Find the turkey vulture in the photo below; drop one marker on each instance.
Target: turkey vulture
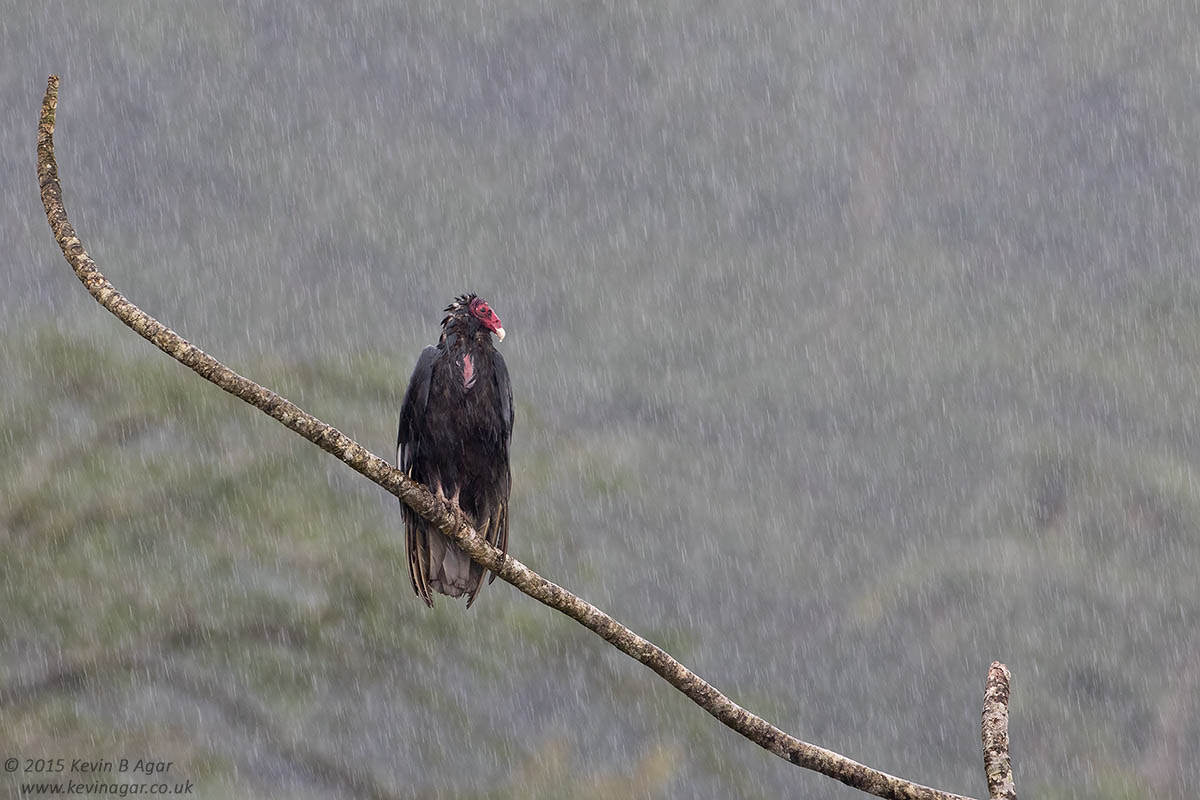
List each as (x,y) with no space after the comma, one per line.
(455,426)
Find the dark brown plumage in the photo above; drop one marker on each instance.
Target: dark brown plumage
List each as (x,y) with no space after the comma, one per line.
(455,428)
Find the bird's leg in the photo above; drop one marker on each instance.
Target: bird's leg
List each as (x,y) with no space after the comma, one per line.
(454,500)
(440,493)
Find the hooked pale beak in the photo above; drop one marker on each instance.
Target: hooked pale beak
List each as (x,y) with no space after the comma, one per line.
(500,334)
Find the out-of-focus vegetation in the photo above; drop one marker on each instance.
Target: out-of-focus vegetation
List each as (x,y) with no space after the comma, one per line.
(853,347)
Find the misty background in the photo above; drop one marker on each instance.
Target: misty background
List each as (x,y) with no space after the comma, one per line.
(854,345)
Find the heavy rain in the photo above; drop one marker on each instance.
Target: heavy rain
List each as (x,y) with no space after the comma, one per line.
(853,346)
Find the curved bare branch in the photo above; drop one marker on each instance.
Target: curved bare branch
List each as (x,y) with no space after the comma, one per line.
(446,516)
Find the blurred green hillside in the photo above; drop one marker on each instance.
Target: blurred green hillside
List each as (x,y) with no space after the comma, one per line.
(853,348)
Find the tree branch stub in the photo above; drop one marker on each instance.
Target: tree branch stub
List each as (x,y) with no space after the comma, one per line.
(997,764)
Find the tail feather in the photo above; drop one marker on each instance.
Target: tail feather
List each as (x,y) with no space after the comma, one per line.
(418,562)
(449,567)
(437,564)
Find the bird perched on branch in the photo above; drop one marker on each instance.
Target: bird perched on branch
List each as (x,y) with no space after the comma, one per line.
(455,428)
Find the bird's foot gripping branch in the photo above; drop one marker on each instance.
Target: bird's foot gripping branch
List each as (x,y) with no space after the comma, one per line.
(450,521)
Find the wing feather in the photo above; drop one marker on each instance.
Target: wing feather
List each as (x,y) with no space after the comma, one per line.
(504,392)
(416,398)
(408,446)
(499,536)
